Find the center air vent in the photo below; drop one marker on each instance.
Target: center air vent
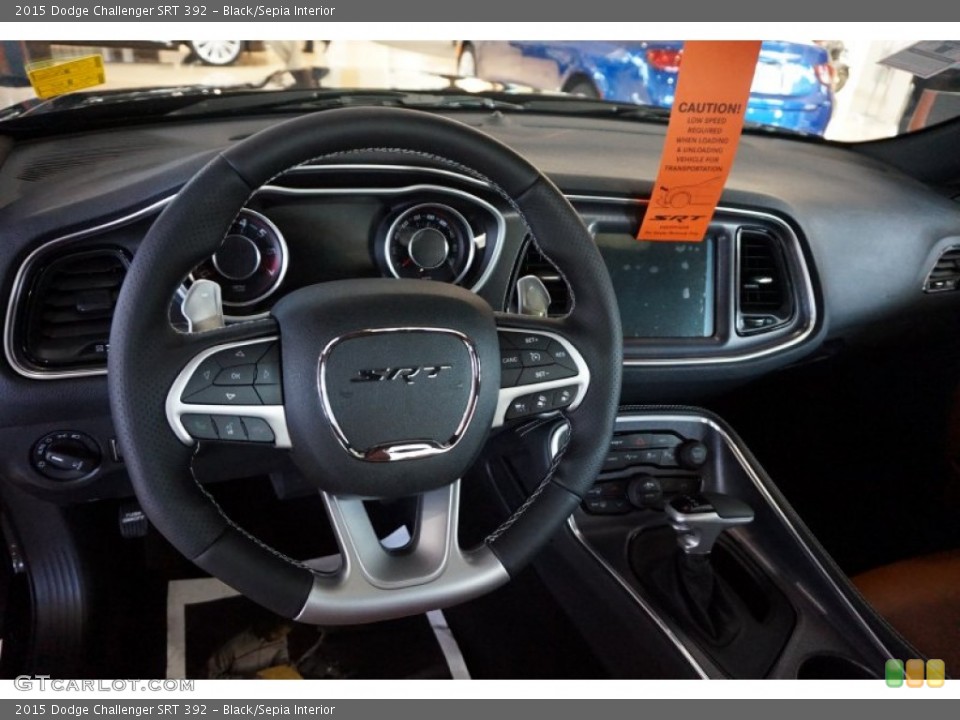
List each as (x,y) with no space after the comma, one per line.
(535,263)
(66,322)
(946,273)
(765,298)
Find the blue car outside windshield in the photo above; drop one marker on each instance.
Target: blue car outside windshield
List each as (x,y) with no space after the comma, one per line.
(792,88)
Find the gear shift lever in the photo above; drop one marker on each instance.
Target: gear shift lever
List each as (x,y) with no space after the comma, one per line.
(695,591)
(700,519)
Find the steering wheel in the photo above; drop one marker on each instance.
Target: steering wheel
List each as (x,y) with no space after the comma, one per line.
(381,388)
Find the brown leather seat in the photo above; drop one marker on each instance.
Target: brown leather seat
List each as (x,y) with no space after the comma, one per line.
(920,597)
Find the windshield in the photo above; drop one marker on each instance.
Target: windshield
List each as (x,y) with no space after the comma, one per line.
(847,90)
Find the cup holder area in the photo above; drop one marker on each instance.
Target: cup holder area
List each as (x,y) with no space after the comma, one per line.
(833,667)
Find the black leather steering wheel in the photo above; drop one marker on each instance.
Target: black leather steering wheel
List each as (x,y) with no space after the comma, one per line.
(354,429)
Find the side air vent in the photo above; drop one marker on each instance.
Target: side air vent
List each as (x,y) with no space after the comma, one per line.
(946,273)
(765,297)
(66,321)
(535,263)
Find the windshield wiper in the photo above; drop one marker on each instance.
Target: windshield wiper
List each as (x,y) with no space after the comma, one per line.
(589,107)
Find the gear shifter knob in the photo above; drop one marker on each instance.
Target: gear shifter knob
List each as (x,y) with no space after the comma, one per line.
(699,519)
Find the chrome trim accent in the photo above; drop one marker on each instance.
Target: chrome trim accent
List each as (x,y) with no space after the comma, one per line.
(304,169)
(768,498)
(20,280)
(638,599)
(581,379)
(374,583)
(403,450)
(284,260)
(469,238)
(698,532)
(274,415)
(498,217)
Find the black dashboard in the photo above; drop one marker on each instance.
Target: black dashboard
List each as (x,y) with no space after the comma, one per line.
(814,245)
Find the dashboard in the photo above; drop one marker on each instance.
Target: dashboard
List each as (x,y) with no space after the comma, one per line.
(813,245)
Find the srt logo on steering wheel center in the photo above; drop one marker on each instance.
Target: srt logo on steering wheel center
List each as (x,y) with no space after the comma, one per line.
(407,374)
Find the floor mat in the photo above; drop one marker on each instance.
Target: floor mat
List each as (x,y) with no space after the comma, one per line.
(213,632)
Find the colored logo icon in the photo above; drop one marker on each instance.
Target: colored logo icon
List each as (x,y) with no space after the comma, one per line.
(895,673)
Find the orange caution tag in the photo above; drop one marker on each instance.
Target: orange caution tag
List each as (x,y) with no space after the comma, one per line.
(705,124)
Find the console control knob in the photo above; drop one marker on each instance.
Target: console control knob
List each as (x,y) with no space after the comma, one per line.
(692,454)
(645,491)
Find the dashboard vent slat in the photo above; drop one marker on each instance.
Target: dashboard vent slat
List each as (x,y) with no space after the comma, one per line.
(945,275)
(66,321)
(764,294)
(534,262)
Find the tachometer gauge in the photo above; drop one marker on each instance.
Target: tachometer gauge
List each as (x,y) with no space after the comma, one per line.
(430,242)
(250,262)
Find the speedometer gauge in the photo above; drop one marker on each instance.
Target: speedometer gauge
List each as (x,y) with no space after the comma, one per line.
(250,262)
(430,242)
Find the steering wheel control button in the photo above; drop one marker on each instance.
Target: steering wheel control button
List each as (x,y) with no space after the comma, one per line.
(268,373)
(66,455)
(270,394)
(229,427)
(200,427)
(225,395)
(534,375)
(258,430)
(520,407)
(237,375)
(535,358)
(510,360)
(202,377)
(244,355)
(564,396)
(527,341)
(559,355)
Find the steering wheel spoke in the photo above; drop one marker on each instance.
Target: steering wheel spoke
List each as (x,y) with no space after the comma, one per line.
(430,571)
(230,391)
(541,369)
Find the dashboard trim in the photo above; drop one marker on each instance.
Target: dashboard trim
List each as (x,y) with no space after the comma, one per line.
(20,279)
(807,294)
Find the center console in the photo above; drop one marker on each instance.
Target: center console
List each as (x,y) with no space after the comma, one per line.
(710,557)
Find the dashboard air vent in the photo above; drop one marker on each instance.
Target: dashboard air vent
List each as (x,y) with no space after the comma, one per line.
(765,298)
(66,324)
(535,263)
(946,273)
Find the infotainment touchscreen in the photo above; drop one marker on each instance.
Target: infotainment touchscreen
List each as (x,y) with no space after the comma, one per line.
(665,289)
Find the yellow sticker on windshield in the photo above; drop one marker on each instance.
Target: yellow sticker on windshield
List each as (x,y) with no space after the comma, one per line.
(57,77)
(705,124)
